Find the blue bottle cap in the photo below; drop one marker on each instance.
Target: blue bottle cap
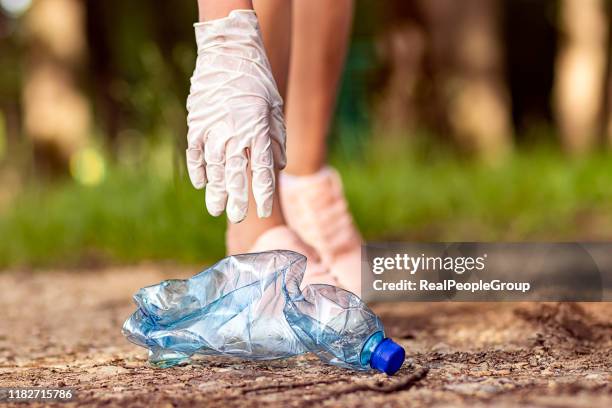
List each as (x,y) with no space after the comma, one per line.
(387,357)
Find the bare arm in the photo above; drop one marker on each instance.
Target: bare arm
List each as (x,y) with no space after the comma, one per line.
(213,9)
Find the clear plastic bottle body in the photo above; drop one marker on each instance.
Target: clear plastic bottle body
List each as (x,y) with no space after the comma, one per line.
(251,306)
(333,324)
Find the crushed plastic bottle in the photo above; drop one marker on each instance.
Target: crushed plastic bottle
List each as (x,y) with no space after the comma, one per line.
(251,306)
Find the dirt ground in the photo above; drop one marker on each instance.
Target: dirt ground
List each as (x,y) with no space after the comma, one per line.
(62,329)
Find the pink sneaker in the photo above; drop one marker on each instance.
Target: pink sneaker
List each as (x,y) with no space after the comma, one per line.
(282,237)
(316,209)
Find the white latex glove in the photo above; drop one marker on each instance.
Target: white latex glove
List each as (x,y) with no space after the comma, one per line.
(234,106)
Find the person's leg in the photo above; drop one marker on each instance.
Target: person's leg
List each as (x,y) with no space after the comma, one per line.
(311,193)
(320,37)
(275,22)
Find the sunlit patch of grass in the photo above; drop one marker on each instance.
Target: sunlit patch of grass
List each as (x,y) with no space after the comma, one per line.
(88,167)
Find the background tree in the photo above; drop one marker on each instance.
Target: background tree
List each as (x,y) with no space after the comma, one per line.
(446,69)
(580,72)
(56,111)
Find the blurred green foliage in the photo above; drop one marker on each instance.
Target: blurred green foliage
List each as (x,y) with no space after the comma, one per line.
(129,198)
(147,210)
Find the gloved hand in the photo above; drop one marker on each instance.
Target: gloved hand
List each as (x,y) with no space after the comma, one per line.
(235,113)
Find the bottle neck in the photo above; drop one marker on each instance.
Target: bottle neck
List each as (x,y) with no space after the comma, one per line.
(369,347)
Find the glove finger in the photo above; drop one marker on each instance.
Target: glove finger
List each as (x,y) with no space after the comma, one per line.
(195,167)
(236,181)
(262,167)
(216,195)
(279,136)
(195,159)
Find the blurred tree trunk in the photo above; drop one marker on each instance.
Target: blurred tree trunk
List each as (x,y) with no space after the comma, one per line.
(100,21)
(467,68)
(56,113)
(445,68)
(402,47)
(580,72)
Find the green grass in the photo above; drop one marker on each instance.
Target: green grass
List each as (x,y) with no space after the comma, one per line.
(128,218)
(394,193)
(537,194)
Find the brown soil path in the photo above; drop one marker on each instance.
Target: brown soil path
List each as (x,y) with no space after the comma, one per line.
(62,329)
